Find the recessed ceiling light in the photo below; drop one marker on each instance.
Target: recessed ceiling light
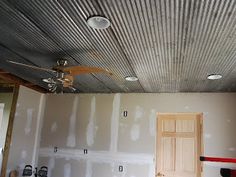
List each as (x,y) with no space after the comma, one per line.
(214,76)
(98,22)
(131,78)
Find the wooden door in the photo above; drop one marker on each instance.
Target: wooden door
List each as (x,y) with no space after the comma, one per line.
(179,145)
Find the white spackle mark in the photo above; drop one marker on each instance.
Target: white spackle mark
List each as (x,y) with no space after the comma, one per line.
(232,149)
(67,170)
(54,127)
(22,165)
(207,136)
(186,107)
(152,170)
(112,164)
(152,122)
(91,128)
(115,122)
(16,114)
(89,171)
(51,165)
(71,136)
(28,121)
(23,154)
(135,132)
(138,113)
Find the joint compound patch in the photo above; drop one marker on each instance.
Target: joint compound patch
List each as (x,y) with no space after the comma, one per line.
(23,154)
(67,170)
(139,112)
(28,121)
(91,128)
(89,169)
(152,122)
(71,136)
(54,127)
(115,122)
(135,132)
(207,136)
(232,149)
(51,165)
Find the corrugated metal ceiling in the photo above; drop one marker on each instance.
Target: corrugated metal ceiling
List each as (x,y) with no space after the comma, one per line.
(170,45)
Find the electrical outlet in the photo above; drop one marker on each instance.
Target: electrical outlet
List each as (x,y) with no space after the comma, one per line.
(125,113)
(121,168)
(55,149)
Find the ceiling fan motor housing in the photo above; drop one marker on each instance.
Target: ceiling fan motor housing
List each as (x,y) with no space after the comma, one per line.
(62,62)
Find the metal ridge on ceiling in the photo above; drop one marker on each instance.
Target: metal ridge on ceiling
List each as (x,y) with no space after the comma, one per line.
(170,45)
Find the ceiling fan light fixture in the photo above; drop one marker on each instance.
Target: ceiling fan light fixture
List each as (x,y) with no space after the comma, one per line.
(98,22)
(214,76)
(131,78)
(47,80)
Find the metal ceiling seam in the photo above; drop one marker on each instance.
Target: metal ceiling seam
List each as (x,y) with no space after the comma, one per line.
(122,50)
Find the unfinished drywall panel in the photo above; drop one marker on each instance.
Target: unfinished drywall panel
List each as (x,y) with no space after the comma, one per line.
(6,99)
(26,129)
(63,167)
(122,129)
(77,122)
(57,117)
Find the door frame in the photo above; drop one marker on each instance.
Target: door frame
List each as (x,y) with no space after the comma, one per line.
(200,144)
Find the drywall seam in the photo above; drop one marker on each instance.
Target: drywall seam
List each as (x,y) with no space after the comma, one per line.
(151,170)
(29,119)
(39,124)
(115,123)
(91,128)
(67,170)
(71,142)
(1,113)
(89,170)
(98,156)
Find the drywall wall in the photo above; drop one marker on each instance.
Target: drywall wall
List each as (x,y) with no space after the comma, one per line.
(95,122)
(26,129)
(6,99)
(5,106)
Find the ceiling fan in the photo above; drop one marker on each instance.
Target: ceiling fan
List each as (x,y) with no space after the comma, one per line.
(64,75)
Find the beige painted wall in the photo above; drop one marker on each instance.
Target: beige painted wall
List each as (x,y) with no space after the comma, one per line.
(26,129)
(95,122)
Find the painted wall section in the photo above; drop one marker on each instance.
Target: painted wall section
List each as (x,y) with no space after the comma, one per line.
(74,123)
(26,129)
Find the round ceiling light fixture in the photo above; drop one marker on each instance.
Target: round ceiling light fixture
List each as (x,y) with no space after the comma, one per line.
(98,22)
(214,76)
(131,78)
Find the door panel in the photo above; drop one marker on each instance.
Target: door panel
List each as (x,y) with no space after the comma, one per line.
(168,153)
(178,145)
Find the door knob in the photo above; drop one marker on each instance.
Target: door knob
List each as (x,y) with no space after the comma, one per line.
(160,174)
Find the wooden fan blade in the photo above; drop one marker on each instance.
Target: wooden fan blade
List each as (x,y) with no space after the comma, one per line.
(31,66)
(68,81)
(77,70)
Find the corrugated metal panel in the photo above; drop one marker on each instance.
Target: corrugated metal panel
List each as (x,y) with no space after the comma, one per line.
(171,45)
